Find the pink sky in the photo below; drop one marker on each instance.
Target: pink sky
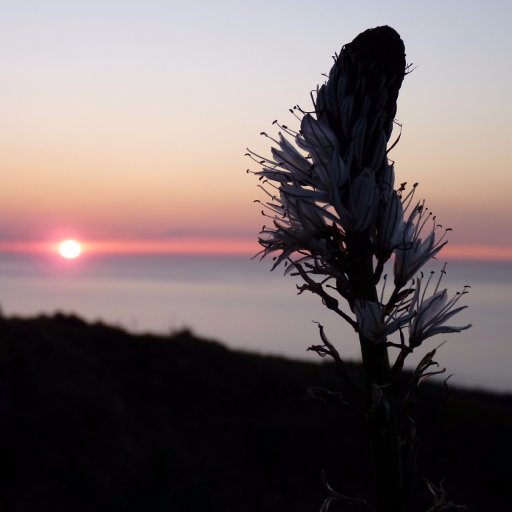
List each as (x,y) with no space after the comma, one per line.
(136,137)
(218,246)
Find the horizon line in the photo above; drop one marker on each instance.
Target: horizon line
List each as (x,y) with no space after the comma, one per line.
(221,246)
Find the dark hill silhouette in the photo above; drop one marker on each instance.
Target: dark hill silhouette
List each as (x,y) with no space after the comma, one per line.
(93,418)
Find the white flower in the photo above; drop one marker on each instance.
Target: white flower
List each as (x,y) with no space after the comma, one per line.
(375,324)
(413,251)
(297,226)
(431,314)
(336,165)
(387,182)
(358,212)
(391,225)
(318,139)
(370,321)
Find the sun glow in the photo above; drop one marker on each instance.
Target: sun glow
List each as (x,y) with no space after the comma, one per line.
(70,249)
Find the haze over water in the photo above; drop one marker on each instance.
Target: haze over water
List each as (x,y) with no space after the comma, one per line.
(239,302)
(126,123)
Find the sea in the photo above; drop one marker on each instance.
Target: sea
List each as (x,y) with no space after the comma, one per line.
(243,304)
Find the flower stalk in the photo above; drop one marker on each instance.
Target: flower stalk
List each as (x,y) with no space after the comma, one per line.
(336,220)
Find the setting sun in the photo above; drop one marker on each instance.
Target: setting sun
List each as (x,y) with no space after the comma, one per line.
(70,249)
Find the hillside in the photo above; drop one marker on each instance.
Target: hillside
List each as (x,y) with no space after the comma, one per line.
(95,418)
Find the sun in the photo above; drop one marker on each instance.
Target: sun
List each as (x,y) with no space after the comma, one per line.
(70,249)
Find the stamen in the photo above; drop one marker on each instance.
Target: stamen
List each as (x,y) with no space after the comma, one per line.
(265,134)
(441,274)
(432,272)
(429,215)
(384,281)
(274,198)
(406,202)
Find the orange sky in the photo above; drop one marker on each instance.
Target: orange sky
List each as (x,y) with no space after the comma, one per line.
(127,123)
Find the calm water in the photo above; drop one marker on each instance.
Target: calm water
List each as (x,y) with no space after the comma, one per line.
(242,304)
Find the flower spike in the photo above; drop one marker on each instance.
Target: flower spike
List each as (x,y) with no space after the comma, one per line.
(337,219)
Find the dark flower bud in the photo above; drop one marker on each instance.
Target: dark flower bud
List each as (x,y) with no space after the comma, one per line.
(358,101)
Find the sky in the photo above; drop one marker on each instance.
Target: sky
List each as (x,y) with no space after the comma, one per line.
(125,123)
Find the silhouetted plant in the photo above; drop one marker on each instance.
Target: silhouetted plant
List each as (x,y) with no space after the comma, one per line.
(336,219)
